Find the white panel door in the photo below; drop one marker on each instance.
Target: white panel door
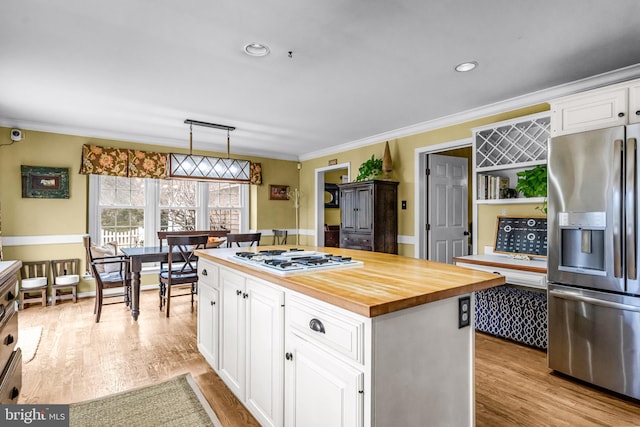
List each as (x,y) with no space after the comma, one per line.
(265,353)
(448,208)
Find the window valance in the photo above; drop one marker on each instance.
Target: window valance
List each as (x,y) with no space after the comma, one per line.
(135,163)
(122,162)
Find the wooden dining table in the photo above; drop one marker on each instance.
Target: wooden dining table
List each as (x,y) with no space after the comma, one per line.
(146,254)
(137,257)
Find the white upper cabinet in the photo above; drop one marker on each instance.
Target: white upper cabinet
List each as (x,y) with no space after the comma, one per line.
(634,102)
(613,105)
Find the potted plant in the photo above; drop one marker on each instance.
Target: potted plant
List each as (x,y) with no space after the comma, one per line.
(371,169)
(533,183)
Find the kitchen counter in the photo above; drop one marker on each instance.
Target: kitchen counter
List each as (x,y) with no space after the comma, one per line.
(385,283)
(7,268)
(534,265)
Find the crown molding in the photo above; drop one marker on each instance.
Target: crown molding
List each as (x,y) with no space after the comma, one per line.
(538,97)
(545,95)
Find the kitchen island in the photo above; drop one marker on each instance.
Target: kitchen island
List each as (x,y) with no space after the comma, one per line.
(387,341)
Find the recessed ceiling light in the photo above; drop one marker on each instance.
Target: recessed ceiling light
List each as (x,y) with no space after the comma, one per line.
(466,66)
(256,49)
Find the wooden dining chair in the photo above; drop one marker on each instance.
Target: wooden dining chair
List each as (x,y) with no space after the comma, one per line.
(238,238)
(109,272)
(183,270)
(162,235)
(280,237)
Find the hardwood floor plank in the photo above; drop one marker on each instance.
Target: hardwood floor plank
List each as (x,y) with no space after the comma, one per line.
(78,360)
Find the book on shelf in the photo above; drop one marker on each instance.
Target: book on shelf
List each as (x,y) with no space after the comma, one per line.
(491,187)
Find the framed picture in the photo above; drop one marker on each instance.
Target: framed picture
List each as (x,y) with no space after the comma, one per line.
(41,182)
(278,192)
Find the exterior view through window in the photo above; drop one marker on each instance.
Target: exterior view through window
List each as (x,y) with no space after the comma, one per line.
(126,205)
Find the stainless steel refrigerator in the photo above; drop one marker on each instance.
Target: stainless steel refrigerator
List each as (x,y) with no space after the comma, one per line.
(593,243)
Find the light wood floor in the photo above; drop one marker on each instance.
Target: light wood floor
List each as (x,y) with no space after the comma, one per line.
(78,360)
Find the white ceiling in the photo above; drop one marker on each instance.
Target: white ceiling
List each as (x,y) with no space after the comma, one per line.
(136,69)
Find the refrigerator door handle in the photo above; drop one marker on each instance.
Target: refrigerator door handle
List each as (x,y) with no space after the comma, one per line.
(630,190)
(595,301)
(617,208)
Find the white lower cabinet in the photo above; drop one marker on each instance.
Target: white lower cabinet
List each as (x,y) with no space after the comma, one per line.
(320,390)
(296,361)
(251,344)
(208,313)
(208,323)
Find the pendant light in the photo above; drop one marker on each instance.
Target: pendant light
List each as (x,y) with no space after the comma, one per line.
(189,166)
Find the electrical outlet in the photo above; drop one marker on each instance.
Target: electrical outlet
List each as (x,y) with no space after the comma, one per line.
(464,311)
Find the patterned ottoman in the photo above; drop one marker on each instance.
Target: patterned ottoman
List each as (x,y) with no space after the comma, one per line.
(513,313)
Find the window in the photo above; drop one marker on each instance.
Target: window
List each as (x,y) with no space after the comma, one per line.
(225,206)
(133,210)
(121,210)
(178,205)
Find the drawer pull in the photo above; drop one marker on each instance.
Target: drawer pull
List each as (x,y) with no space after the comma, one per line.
(10,296)
(620,114)
(14,393)
(204,272)
(9,340)
(316,325)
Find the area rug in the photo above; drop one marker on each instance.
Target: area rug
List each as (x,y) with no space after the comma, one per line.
(177,402)
(28,340)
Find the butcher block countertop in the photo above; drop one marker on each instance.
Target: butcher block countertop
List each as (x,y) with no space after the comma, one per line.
(384,284)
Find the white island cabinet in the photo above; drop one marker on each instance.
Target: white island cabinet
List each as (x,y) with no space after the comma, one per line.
(374,345)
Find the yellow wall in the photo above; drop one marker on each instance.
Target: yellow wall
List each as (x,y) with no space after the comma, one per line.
(36,217)
(45,217)
(403,157)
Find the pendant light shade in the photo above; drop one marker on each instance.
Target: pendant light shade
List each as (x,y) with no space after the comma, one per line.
(188,166)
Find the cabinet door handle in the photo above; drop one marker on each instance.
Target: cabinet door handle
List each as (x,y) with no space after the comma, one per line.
(637,112)
(14,393)
(288,356)
(245,295)
(9,340)
(204,272)
(316,325)
(620,114)
(213,303)
(238,292)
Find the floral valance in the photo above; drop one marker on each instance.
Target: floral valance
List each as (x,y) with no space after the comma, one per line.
(122,162)
(135,163)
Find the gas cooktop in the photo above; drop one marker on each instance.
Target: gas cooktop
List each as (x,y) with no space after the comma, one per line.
(284,262)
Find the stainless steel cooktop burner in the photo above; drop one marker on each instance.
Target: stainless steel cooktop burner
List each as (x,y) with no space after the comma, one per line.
(282,261)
